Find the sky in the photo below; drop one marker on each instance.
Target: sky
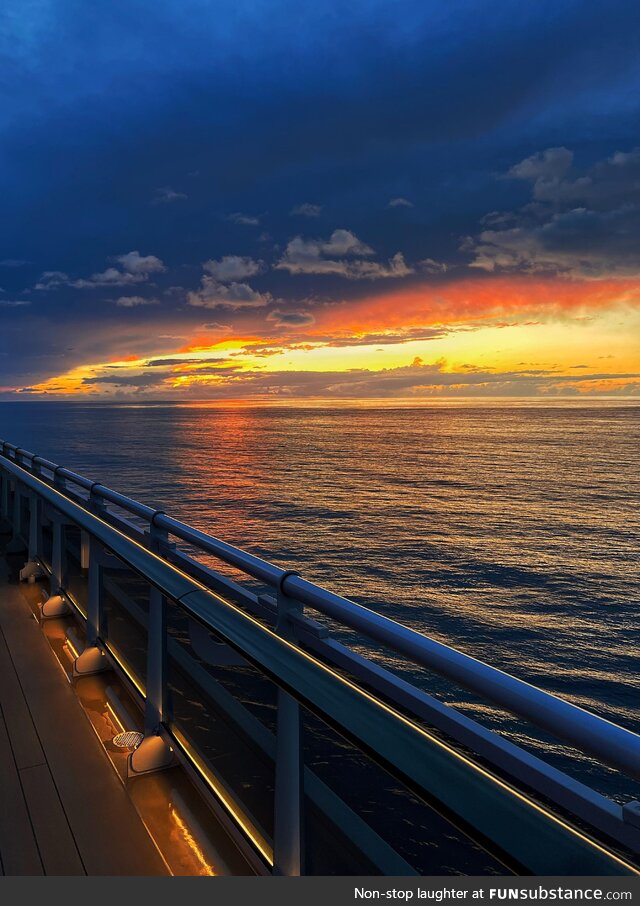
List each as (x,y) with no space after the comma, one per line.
(271,201)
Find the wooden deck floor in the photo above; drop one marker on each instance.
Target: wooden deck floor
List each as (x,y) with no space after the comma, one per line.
(63,810)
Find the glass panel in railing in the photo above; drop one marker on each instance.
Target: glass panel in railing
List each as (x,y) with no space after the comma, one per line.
(10,498)
(46,543)
(618,705)
(24,516)
(360,820)
(223,712)
(77,560)
(125,609)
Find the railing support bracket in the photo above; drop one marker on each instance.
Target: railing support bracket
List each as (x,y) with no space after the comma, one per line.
(31,571)
(92,660)
(153,754)
(55,606)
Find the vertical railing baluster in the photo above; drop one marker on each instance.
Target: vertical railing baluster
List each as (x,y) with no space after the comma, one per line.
(17,503)
(31,569)
(4,498)
(155,705)
(154,753)
(94,584)
(94,596)
(57,551)
(56,605)
(289,768)
(16,545)
(92,660)
(57,554)
(34,527)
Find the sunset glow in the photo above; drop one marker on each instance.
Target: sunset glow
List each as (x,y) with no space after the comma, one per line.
(479,242)
(526,337)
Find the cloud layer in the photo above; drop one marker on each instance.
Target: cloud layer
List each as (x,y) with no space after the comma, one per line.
(578,224)
(343,254)
(333,194)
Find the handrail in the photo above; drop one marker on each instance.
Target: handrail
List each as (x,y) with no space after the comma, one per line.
(594,735)
(427,765)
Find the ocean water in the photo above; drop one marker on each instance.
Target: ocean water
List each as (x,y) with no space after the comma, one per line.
(511,532)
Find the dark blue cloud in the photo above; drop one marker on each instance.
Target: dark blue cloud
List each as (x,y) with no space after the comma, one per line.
(172,127)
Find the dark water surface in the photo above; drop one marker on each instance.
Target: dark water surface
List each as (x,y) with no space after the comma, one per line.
(512,533)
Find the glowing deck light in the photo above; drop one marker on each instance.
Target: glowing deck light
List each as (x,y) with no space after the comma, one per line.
(261,845)
(191,842)
(115,719)
(130,739)
(72,648)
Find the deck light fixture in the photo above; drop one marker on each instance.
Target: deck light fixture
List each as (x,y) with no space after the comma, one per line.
(130,739)
(55,606)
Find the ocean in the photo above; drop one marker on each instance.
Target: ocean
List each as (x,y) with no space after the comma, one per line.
(511,532)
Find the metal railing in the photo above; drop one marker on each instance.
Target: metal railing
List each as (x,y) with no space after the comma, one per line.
(514,804)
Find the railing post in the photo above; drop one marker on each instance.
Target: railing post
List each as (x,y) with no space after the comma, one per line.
(93,659)
(288,856)
(154,753)
(31,570)
(55,605)
(94,601)
(4,499)
(5,521)
(16,545)
(35,511)
(92,552)
(57,554)
(17,506)
(155,705)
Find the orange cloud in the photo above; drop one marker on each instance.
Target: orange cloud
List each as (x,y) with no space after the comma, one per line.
(471,300)
(456,320)
(208,344)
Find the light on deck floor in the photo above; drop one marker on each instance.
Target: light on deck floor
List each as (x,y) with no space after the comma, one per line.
(130,739)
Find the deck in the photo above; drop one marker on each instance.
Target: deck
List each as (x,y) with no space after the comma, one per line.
(63,809)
